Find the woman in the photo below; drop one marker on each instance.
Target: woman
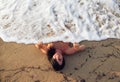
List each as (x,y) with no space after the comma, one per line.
(56,50)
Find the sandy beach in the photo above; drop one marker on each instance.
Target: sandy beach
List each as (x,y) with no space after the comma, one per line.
(100,62)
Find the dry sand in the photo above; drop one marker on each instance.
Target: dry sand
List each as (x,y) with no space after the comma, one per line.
(100,62)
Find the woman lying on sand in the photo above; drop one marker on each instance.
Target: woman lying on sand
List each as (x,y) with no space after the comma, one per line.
(56,50)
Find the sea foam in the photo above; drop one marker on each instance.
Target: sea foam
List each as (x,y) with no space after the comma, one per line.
(33,21)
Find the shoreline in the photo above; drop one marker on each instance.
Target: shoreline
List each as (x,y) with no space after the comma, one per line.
(25,63)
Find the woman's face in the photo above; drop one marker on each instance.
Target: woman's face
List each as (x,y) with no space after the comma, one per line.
(58,57)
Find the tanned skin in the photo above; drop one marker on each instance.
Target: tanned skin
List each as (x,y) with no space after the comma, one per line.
(61,49)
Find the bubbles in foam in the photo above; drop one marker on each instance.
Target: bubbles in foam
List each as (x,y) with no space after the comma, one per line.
(31,21)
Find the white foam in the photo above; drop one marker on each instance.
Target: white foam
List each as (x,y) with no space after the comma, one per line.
(32,21)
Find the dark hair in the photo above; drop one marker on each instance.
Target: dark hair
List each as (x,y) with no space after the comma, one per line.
(54,63)
(51,52)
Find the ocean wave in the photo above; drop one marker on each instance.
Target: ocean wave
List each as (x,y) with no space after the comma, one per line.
(33,21)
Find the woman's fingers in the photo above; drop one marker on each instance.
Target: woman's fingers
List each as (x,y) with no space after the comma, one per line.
(39,45)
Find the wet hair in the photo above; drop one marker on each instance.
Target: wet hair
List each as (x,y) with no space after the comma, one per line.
(53,62)
(56,65)
(51,52)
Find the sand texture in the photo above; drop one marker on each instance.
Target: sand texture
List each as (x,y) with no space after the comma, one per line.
(100,62)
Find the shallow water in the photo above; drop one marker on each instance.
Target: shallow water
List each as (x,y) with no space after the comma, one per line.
(33,21)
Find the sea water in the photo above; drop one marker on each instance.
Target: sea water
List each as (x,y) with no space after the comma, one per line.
(33,21)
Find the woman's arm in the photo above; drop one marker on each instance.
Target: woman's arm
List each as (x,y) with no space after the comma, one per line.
(42,47)
(74,49)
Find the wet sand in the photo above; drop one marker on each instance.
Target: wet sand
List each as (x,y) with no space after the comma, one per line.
(100,62)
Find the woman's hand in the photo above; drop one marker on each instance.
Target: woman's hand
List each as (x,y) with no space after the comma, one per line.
(39,45)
